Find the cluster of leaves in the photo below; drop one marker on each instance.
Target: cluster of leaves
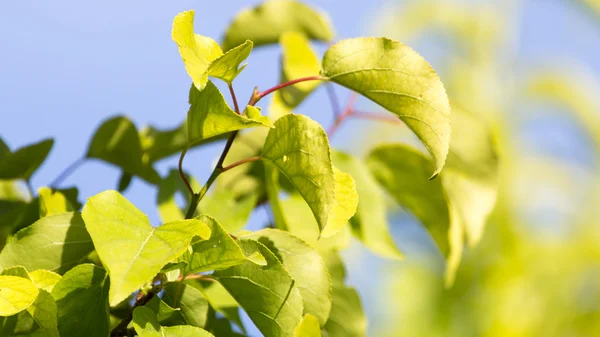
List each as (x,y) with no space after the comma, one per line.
(106,271)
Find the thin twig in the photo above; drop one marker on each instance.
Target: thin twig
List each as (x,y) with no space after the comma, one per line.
(342,116)
(259,95)
(235,103)
(67,172)
(335,103)
(182,174)
(240,162)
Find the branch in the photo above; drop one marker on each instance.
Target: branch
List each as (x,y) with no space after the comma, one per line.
(67,172)
(183,177)
(257,96)
(342,116)
(121,328)
(240,162)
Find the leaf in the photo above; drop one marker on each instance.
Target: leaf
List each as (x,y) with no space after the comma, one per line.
(19,271)
(298,60)
(265,23)
(117,142)
(165,314)
(22,163)
(44,279)
(82,300)
(219,251)
(53,202)
(347,318)
(232,213)
(305,266)
(128,246)
(4,149)
(17,294)
(370,223)
(55,243)
(146,325)
(299,148)
(221,301)
(203,57)
(167,206)
(209,115)
(308,327)
(124,182)
(44,313)
(403,173)
(194,306)
(397,78)
(267,293)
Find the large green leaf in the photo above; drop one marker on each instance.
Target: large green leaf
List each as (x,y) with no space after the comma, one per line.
(22,163)
(265,23)
(268,293)
(82,299)
(221,301)
(299,148)
(203,57)
(129,247)
(17,294)
(370,223)
(400,80)
(209,115)
(232,213)
(194,306)
(219,251)
(56,243)
(146,324)
(306,267)
(308,327)
(117,142)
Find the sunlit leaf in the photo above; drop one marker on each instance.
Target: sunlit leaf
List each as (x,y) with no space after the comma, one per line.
(268,293)
(305,266)
(168,209)
(400,80)
(146,325)
(308,327)
(370,223)
(53,202)
(117,142)
(22,163)
(44,279)
(82,300)
(128,246)
(265,23)
(166,314)
(54,243)
(299,148)
(19,271)
(221,301)
(232,213)
(43,315)
(17,294)
(209,115)
(227,66)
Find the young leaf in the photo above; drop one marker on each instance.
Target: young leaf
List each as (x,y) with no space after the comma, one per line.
(403,173)
(128,246)
(308,327)
(44,279)
(227,66)
(146,325)
(18,294)
(54,243)
(82,300)
(53,202)
(400,80)
(370,223)
(219,251)
(117,142)
(299,148)
(267,293)
(21,164)
(209,115)
(305,266)
(265,23)
(194,306)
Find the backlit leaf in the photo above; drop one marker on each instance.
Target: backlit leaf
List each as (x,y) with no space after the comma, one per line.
(22,163)
(227,66)
(146,325)
(221,301)
(128,246)
(53,202)
(268,293)
(400,80)
(55,243)
(232,213)
(265,23)
(168,209)
(44,313)
(17,294)
(44,279)
(308,327)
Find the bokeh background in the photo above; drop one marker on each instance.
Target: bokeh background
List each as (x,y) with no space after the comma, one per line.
(531,69)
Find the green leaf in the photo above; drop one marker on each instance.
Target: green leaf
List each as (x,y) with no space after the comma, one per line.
(82,300)
(299,148)
(305,266)
(298,60)
(146,325)
(370,223)
(19,271)
(219,251)
(168,209)
(55,243)
(44,279)
(209,115)
(308,327)
(397,78)
(265,23)
(128,246)
(117,142)
(267,293)
(53,202)
(403,173)
(194,306)
(221,301)
(17,294)
(347,318)
(124,181)
(227,66)
(21,164)
(43,314)
(165,314)
(4,149)
(232,213)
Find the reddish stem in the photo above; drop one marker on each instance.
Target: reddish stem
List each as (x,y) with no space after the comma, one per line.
(259,95)
(235,103)
(240,162)
(342,116)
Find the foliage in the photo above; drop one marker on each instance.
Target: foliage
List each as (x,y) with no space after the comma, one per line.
(102,269)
